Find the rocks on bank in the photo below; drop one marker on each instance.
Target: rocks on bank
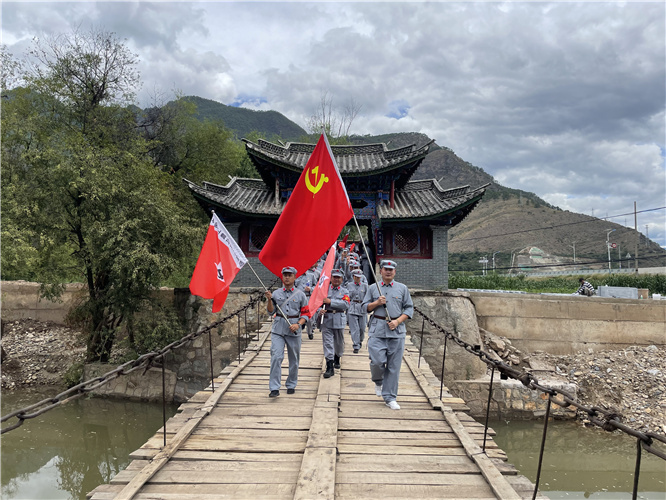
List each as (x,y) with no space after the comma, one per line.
(39,353)
(630,381)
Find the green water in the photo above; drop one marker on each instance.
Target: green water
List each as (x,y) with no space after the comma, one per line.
(72,449)
(581,462)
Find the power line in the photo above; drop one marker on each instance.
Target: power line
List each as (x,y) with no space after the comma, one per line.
(577,264)
(592,219)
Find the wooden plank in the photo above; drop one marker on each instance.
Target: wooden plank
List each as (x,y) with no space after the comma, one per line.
(201,491)
(403,463)
(410,478)
(316,478)
(398,425)
(500,486)
(398,450)
(422,492)
(195,477)
(163,456)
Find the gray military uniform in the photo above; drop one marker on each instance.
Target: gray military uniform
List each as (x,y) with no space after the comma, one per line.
(335,320)
(386,346)
(308,279)
(291,302)
(356,314)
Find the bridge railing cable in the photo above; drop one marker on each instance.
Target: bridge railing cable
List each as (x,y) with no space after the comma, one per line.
(601,417)
(143,362)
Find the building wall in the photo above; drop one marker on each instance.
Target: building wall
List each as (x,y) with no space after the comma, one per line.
(427,274)
(565,324)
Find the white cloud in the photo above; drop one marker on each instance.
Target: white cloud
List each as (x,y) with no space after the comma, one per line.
(563,99)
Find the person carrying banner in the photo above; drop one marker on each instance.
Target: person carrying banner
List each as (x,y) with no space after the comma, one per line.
(356,316)
(286,331)
(334,322)
(386,335)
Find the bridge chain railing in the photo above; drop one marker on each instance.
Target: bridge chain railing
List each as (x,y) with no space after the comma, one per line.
(601,417)
(145,362)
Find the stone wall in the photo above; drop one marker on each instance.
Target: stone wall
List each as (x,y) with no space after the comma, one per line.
(566,324)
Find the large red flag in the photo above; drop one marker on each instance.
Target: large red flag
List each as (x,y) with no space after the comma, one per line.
(320,290)
(219,261)
(313,217)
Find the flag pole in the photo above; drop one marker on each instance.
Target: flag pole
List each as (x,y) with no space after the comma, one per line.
(372,268)
(262,284)
(266,289)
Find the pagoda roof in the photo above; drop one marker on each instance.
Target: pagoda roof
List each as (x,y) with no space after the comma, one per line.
(418,201)
(362,160)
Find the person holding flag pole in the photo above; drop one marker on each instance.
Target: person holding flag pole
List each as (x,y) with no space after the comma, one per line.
(319,203)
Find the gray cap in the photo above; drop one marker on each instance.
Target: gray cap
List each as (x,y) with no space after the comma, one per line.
(337,272)
(357,272)
(289,269)
(388,264)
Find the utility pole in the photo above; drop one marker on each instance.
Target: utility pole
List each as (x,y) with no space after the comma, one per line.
(573,244)
(638,237)
(608,232)
(647,235)
(619,255)
(494,253)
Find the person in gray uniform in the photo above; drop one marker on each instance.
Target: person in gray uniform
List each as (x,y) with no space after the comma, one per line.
(349,278)
(291,302)
(386,339)
(356,316)
(304,283)
(334,322)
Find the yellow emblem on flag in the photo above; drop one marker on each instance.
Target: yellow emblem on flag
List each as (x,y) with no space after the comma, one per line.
(318,183)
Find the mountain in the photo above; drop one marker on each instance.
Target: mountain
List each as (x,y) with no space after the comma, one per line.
(243,121)
(507,222)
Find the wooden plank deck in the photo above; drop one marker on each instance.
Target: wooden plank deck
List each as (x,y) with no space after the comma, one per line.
(334,439)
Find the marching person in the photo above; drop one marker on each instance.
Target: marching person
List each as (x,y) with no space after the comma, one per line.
(291,302)
(356,316)
(386,338)
(304,283)
(333,324)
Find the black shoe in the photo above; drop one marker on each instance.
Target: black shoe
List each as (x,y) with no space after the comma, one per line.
(355,351)
(336,362)
(291,391)
(329,369)
(310,336)
(274,394)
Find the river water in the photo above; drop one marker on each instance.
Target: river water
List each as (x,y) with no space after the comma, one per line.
(581,462)
(70,450)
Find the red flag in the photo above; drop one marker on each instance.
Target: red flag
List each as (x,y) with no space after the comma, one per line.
(320,291)
(343,243)
(318,207)
(351,248)
(219,261)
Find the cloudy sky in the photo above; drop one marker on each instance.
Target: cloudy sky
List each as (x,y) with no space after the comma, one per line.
(566,100)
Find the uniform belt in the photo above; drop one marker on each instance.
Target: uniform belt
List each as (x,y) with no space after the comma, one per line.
(297,316)
(358,301)
(334,310)
(379,317)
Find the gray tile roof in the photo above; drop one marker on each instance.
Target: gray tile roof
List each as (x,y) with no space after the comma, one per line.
(352,160)
(418,200)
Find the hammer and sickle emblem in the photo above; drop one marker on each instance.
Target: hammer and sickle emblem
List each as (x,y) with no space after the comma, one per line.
(315,188)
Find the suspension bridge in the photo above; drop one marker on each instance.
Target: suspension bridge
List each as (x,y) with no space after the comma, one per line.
(332,439)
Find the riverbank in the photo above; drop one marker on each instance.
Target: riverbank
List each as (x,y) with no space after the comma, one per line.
(39,353)
(630,380)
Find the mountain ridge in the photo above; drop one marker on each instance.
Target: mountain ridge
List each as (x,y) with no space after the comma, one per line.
(505,222)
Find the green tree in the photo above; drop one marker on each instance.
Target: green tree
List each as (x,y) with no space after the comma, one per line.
(80,188)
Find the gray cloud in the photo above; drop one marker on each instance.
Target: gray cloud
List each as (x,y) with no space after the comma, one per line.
(563,99)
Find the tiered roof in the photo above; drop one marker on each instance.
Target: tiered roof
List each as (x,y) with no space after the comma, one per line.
(357,163)
(371,172)
(244,199)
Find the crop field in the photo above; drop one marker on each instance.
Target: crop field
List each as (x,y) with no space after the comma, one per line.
(655,283)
